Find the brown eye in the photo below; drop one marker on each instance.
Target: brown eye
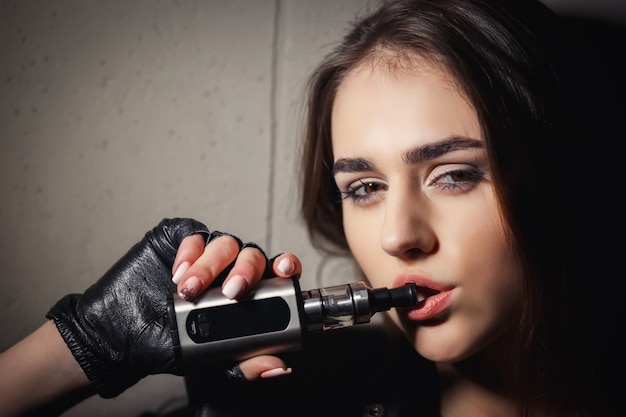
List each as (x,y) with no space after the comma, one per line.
(459,176)
(370,187)
(458,179)
(362,191)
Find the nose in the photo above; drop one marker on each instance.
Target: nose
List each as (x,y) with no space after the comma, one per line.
(406,230)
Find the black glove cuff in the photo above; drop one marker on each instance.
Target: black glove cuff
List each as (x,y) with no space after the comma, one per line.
(117,330)
(97,370)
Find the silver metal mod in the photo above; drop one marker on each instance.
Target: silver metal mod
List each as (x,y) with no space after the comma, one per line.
(215,327)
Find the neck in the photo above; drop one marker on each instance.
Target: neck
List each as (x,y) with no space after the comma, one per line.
(475,386)
(481,385)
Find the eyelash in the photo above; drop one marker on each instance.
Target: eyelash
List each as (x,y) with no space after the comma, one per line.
(353,189)
(469,178)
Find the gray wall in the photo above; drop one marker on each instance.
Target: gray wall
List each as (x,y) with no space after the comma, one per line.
(115,114)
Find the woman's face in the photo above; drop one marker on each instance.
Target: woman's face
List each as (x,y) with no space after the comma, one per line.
(419,206)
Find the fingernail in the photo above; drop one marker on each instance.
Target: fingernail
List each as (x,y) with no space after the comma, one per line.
(180,271)
(275,372)
(190,289)
(286,266)
(234,286)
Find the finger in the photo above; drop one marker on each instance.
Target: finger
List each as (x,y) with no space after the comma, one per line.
(246,273)
(215,258)
(264,366)
(188,252)
(287,265)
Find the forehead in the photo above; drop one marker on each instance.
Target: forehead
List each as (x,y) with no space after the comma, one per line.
(396,63)
(398,102)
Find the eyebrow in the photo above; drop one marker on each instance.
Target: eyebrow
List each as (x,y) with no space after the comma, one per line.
(411,156)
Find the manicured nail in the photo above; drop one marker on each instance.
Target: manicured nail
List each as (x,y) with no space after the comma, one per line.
(190,288)
(234,286)
(275,372)
(180,271)
(286,266)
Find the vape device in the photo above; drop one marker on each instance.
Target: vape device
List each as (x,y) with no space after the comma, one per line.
(273,317)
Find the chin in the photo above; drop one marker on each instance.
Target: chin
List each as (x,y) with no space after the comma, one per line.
(439,347)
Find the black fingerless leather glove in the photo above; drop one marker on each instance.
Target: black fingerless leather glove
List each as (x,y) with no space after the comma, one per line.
(118,330)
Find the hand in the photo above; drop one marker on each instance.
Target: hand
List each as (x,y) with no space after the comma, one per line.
(118,330)
(238,267)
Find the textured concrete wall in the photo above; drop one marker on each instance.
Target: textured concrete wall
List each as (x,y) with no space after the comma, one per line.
(115,114)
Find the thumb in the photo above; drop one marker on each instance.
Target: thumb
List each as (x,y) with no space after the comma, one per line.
(261,367)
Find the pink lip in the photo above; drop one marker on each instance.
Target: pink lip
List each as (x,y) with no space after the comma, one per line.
(434,305)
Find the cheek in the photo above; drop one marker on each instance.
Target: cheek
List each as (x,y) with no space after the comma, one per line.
(487,265)
(363,235)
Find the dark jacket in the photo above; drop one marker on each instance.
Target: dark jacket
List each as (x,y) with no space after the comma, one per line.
(359,371)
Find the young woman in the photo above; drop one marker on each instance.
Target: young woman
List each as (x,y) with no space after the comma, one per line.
(433,137)
(440,144)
